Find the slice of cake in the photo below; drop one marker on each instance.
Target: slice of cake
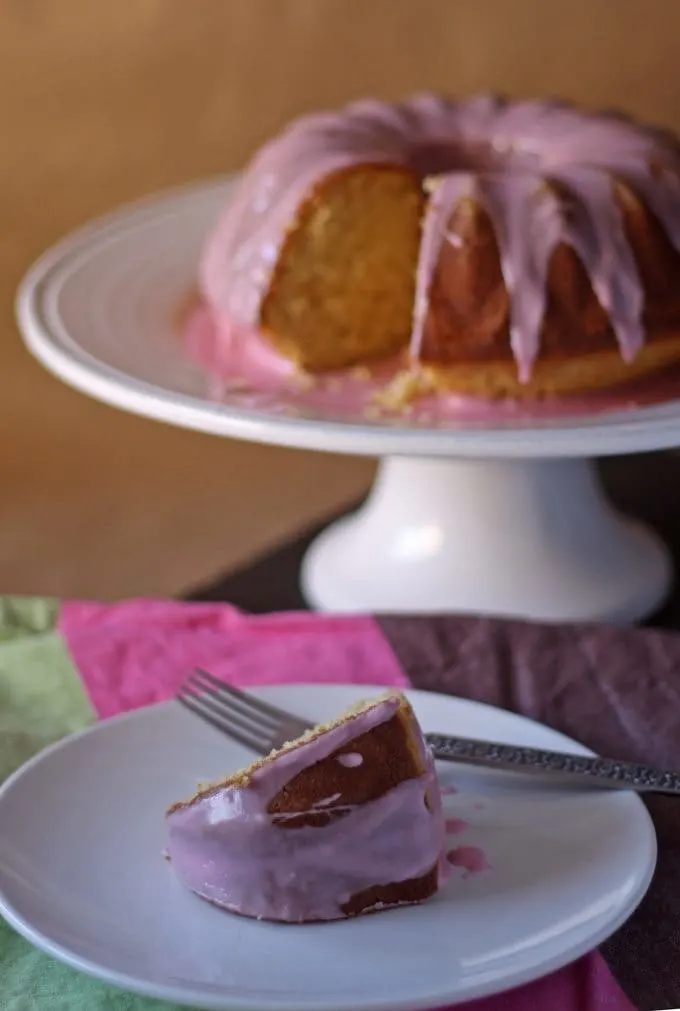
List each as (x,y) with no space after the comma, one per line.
(345,820)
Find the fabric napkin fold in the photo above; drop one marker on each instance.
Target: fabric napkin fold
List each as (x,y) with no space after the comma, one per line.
(614,689)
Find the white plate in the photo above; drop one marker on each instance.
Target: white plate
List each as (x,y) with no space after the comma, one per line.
(82,877)
(100,311)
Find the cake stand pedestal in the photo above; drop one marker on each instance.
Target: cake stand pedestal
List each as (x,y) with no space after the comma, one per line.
(535,538)
(498,518)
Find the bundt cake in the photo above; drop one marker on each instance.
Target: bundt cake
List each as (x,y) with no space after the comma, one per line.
(345,820)
(492,248)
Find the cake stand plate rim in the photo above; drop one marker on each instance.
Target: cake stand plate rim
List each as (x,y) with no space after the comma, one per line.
(75,360)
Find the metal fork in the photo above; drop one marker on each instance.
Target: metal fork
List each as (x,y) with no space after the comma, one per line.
(263,727)
(245,718)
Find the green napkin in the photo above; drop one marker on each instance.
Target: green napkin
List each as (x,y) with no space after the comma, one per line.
(41,700)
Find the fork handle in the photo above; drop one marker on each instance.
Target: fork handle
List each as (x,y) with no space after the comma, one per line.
(596,772)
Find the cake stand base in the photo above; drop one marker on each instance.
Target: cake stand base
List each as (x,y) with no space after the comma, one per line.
(494,519)
(523,538)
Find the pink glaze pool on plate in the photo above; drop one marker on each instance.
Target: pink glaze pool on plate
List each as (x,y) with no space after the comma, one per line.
(454,826)
(471,859)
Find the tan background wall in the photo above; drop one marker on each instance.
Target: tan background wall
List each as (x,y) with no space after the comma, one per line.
(101,102)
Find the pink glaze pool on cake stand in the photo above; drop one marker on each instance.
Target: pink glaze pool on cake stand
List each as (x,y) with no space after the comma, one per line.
(526,534)
(239,363)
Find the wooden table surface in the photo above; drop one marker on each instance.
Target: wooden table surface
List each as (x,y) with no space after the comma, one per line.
(101,103)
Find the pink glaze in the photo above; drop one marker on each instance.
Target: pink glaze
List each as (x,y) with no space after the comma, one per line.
(471,859)
(226,847)
(253,376)
(236,352)
(501,153)
(454,826)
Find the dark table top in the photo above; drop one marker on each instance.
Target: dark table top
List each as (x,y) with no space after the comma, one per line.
(646,486)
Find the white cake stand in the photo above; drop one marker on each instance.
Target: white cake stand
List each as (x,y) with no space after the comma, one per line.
(504,519)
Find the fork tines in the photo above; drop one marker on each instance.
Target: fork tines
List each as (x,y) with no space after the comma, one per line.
(248,720)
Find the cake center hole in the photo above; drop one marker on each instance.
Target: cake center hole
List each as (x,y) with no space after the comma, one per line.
(438,157)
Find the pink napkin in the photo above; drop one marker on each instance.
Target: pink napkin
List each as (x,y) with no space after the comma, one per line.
(137,653)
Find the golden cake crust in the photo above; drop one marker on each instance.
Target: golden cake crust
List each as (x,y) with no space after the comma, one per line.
(391,750)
